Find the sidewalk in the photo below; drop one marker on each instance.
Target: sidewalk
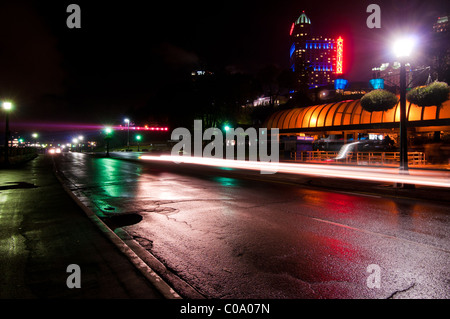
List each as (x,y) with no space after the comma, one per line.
(43,231)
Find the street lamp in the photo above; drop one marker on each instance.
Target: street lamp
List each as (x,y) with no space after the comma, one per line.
(35,136)
(138,139)
(402,49)
(108,131)
(7,106)
(75,142)
(80,139)
(128,133)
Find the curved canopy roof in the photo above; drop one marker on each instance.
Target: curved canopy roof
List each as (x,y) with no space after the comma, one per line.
(350,115)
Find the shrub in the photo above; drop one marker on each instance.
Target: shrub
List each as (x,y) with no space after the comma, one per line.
(435,93)
(378,100)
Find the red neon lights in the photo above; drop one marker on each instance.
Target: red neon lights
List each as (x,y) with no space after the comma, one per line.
(292,28)
(339,55)
(145,128)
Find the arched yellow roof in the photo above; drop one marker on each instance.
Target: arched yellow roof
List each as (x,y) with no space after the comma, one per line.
(351,113)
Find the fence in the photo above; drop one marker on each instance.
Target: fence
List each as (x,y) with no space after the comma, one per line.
(367,158)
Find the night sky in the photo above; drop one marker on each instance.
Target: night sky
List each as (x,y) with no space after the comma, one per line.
(126,51)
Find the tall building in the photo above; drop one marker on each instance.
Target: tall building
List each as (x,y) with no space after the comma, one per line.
(441,25)
(316,60)
(439,49)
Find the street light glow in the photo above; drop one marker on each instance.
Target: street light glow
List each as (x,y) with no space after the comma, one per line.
(403,47)
(7,106)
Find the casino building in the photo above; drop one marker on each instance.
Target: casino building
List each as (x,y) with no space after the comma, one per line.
(316,60)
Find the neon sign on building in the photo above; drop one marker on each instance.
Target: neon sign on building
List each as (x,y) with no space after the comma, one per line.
(292,28)
(339,55)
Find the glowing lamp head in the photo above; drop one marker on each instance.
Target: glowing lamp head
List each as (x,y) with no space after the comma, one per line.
(403,47)
(7,106)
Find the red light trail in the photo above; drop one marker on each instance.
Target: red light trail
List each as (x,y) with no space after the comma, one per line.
(392,175)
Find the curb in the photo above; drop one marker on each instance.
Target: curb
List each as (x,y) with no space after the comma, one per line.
(160,285)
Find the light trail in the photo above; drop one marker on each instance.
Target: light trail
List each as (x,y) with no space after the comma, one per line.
(85,127)
(391,175)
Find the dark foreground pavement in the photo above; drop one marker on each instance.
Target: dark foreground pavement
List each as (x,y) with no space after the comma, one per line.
(43,231)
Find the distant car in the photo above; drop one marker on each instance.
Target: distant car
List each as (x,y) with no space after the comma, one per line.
(54,150)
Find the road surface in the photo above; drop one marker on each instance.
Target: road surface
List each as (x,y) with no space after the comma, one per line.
(231,237)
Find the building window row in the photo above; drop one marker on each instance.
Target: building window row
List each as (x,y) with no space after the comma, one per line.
(309,45)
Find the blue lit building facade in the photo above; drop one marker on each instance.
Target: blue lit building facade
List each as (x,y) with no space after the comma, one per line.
(312,58)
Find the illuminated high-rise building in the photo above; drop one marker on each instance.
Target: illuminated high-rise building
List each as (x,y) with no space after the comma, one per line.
(316,60)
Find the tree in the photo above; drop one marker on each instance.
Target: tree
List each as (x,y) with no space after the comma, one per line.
(378,100)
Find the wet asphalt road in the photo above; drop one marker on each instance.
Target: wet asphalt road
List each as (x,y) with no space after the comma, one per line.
(244,238)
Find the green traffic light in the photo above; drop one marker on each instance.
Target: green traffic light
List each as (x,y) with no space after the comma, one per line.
(108,130)
(138,137)
(226,128)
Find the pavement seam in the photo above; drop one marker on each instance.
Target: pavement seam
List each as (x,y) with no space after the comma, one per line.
(162,286)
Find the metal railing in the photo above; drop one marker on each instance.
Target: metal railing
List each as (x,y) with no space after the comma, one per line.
(368,158)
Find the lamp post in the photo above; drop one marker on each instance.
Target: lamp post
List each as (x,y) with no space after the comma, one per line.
(108,132)
(35,136)
(75,142)
(7,106)
(138,139)
(402,49)
(128,133)
(80,139)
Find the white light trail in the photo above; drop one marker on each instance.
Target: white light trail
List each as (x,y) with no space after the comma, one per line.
(392,175)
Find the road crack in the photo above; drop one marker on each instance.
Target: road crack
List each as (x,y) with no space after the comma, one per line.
(400,291)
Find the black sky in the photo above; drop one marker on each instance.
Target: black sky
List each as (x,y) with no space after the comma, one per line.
(126,50)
